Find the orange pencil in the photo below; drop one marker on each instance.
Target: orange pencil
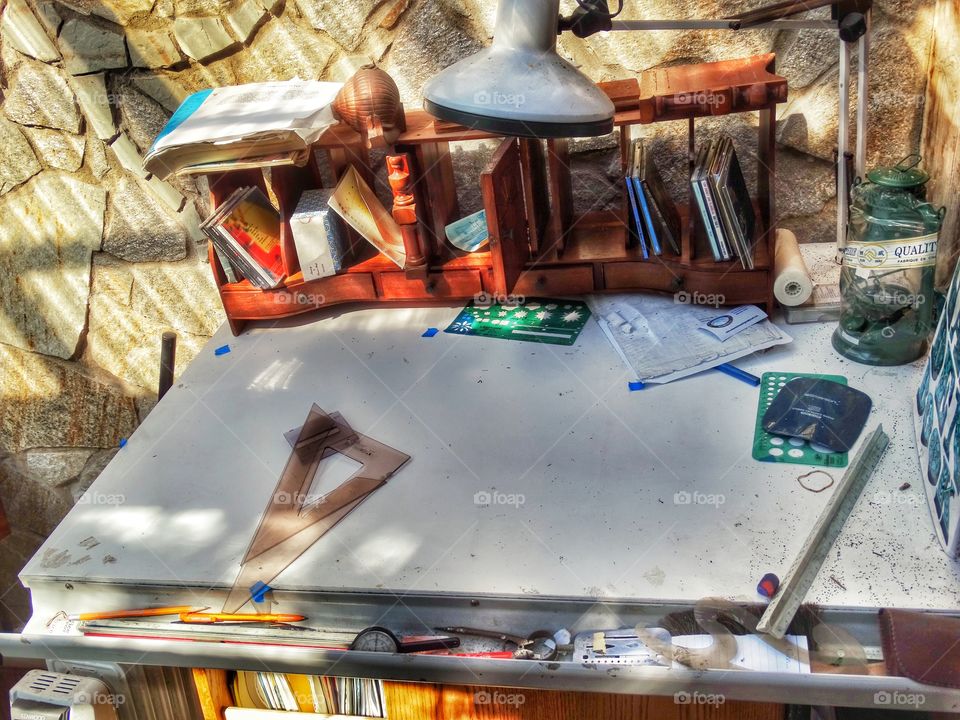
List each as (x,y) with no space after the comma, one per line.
(205,617)
(145,612)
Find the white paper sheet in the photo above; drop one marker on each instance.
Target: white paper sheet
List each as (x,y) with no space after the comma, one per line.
(755,654)
(660,340)
(230,114)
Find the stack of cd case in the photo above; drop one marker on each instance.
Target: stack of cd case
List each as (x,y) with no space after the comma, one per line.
(722,200)
(654,220)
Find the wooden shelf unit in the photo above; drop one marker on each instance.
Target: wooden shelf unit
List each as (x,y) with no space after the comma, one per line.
(537,246)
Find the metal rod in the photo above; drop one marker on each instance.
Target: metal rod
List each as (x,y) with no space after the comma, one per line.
(168,358)
(731,24)
(843,141)
(863,93)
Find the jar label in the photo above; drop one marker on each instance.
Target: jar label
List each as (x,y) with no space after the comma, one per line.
(892,254)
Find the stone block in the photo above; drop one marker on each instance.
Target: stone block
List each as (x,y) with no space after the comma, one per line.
(152,48)
(96,104)
(38,95)
(17,160)
(88,47)
(60,150)
(201,37)
(21,29)
(51,226)
(138,228)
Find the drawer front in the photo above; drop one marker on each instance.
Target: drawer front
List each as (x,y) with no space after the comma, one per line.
(636,275)
(716,288)
(243,301)
(452,283)
(576,280)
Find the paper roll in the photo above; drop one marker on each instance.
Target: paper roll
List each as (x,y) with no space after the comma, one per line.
(792,284)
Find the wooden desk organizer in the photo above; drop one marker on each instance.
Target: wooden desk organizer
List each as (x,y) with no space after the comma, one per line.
(537,246)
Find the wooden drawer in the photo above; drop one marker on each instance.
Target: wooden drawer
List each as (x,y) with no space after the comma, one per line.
(576,280)
(634,275)
(452,283)
(724,288)
(247,302)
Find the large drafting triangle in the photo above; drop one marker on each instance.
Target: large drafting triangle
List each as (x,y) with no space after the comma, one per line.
(292,523)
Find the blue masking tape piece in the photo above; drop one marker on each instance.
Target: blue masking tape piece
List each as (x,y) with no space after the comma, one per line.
(430,332)
(222,350)
(123,441)
(258,591)
(635,385)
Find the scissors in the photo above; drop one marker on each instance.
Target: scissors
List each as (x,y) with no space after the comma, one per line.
(539,645)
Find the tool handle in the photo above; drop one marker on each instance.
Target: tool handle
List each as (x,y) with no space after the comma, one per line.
(413,643)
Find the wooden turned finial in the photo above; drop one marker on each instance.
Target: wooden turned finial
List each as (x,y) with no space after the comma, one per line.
(405,210)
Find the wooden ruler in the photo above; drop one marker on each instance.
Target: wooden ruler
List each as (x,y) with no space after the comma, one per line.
(803,572)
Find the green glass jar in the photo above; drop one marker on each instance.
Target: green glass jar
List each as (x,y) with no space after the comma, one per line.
(887,274)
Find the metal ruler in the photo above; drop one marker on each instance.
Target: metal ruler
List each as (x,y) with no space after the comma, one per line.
(803,572)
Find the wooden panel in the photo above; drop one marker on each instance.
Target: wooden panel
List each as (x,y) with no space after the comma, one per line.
(212,691)
(730,288)
(502,189)
(679,92)
(408,701)
(535,193)
(575,280)
(435,189)
(941,132)
(632,275)
(561,194)
(454,283)
(288,183)
(242,300)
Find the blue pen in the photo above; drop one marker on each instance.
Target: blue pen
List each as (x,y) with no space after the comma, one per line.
(739,374)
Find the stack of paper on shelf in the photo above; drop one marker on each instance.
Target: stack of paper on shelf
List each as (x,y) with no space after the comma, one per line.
(253,125)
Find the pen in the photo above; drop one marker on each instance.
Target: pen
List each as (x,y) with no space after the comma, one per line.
(145,612)
(734,371)
(207,618)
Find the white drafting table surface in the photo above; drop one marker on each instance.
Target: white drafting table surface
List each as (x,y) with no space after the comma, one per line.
(597,467)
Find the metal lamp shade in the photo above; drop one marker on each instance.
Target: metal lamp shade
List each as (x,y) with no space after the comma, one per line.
(519,86)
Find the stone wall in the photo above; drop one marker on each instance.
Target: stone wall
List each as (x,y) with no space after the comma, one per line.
(97,258)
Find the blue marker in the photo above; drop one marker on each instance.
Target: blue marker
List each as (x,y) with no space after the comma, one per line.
(739,374)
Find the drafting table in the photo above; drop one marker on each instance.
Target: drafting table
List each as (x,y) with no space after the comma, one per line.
(598,541)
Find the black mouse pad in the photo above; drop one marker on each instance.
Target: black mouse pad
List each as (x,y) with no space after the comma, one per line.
(819,411)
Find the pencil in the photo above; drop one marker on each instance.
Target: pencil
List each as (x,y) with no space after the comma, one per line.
(204,617)
(143,612)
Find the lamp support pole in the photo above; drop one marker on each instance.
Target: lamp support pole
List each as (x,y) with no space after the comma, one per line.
(525,25)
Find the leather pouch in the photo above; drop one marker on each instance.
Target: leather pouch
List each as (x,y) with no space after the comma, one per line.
(921,646)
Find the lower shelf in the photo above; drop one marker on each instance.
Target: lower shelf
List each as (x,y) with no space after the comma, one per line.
(595,260)
(427,701)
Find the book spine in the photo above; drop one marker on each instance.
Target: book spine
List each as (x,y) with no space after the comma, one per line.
(636,218)
(248,267)
(704,217)
(661,220)
(714,219)
(651,230)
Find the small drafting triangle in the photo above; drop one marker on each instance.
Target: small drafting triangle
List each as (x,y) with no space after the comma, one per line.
(293,521)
